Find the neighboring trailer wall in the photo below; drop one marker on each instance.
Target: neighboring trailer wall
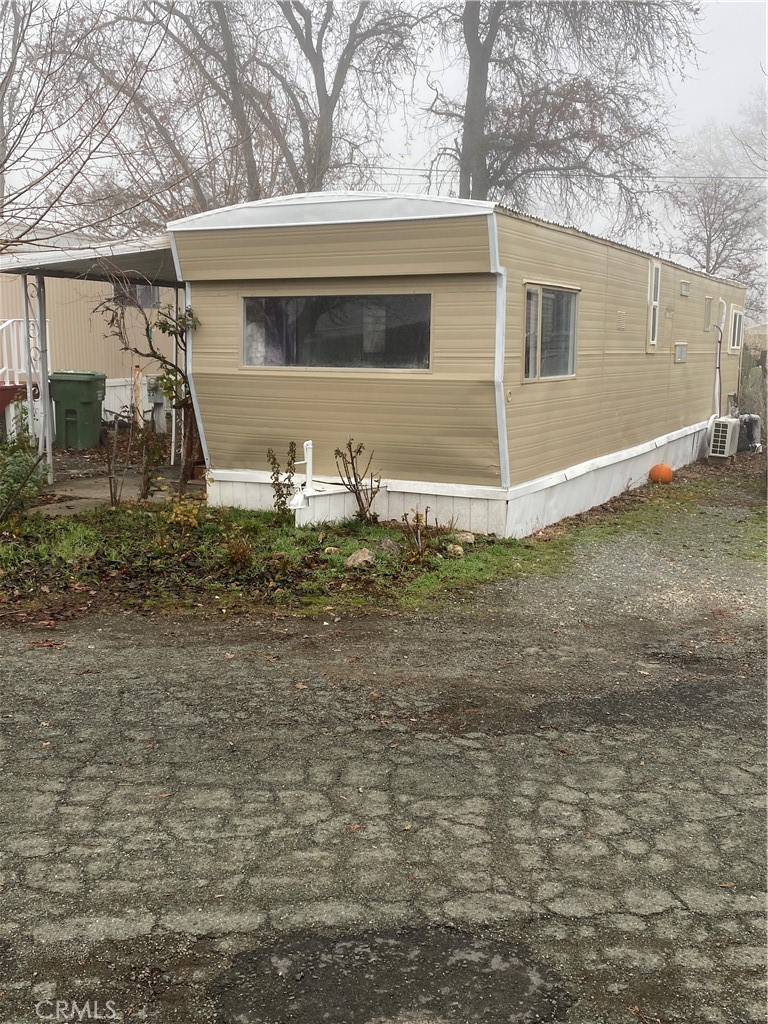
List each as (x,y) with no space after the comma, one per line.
(77,334)
(436,424)
(457,245)
(624,391)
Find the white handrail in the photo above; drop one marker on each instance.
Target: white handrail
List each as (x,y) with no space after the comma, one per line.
(12,353)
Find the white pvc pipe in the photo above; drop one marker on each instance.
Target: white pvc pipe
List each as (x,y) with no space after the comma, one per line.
(719,327)
(308,461)
(28,358)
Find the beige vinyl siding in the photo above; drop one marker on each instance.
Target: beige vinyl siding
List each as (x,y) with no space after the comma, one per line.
(77,335)
(437,424)
(624,392)
(456,245)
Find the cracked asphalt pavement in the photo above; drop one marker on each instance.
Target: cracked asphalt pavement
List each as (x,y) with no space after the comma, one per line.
(555,787)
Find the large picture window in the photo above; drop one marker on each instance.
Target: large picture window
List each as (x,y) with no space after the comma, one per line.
(550,332)
(365,331)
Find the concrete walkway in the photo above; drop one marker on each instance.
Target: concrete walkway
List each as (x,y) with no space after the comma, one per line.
(80,495)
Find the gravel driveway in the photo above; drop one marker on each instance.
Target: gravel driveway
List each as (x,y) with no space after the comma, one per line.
(544,802)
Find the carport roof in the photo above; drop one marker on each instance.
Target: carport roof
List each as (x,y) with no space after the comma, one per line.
(146,260)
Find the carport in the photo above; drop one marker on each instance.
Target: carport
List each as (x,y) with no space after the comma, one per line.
(147,260)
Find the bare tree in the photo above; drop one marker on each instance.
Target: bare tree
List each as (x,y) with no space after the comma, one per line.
(718,213)
(563,101)
(751,133)
(123,312)
(49,135)
(246,101)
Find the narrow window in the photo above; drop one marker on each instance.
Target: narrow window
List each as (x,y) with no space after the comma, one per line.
(708,313)
(131,293)
(550,332)
(148,296)
(737,326)
(655,292)
(350,331)
(531,333)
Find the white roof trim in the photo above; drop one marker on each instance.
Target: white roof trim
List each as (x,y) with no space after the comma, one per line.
(331,208)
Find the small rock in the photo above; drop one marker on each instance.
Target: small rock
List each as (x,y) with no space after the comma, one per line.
(360,559)
(454,550)
(331,550)
(465,538)
(389,546)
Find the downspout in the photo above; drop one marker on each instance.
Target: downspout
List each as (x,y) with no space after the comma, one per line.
(717,387)
(28,359)
(175,412)
(46,435)
(499,350)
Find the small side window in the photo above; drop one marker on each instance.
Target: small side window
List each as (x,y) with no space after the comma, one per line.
(653,303)
(550,332)
(131,293)
(737,328)
(708,313)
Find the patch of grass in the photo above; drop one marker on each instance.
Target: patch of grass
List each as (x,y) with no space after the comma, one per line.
(750,540)
(185,555)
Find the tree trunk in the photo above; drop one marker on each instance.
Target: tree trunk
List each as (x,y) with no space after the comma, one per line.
(190,446)
(473,160)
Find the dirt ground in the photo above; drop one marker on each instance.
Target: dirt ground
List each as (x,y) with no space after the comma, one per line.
(545,802)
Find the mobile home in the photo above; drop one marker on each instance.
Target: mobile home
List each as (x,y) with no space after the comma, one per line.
(505,371)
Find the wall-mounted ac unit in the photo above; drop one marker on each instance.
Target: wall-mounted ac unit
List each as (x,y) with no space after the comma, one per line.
(725,437)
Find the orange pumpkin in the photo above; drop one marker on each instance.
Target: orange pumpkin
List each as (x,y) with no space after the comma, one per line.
(661,474)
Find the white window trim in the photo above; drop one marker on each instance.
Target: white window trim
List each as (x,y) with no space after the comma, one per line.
(557,287)
(736,311)
(653,304)
(708,303)
(330,371)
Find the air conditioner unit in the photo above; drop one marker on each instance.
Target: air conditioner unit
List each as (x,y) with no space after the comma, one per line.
(725,437)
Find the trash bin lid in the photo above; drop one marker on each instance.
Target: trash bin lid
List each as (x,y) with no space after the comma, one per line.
(77,375)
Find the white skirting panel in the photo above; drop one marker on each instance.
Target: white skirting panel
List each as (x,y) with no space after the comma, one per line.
(547,500)
(250,494)
(515,512)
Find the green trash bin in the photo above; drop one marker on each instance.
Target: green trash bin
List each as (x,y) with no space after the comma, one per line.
(77,396)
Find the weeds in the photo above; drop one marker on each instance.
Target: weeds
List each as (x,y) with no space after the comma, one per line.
(418,533)
(20,480)
(282,482)
(186,555)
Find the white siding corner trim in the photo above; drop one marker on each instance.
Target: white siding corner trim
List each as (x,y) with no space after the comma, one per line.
(499,353)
